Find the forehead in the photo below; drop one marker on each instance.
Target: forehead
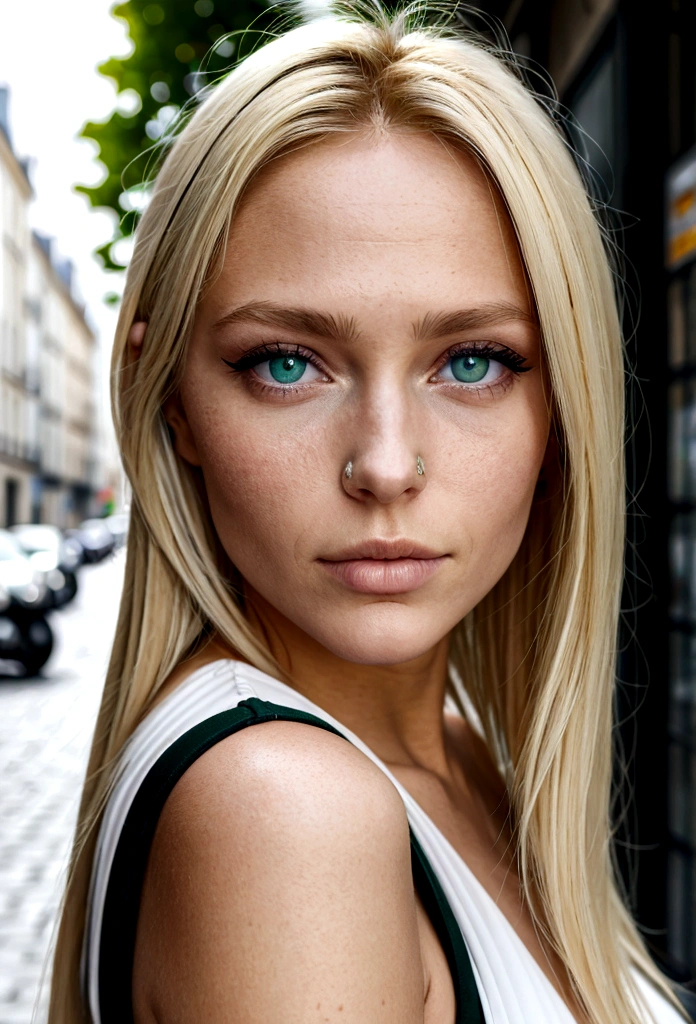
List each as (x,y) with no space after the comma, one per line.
(374,216)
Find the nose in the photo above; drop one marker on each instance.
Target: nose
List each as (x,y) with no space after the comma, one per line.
(385,461)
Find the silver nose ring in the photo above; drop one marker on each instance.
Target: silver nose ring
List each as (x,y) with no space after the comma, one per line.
(420,468)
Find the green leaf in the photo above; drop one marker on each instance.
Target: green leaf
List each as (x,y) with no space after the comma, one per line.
(172,40)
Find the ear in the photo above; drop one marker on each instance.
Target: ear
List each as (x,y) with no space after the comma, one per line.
(184,443)
(134,347)
(136,336)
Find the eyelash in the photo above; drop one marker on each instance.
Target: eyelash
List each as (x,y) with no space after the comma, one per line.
(512,360)
(259,355)
(501,353)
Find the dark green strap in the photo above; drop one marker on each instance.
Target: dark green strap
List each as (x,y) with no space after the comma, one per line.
(122,902)
(469,1009)
(687,998)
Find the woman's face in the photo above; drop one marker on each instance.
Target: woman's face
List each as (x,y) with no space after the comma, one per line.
(372,309)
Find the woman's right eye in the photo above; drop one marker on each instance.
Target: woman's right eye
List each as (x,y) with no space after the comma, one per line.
(287,369)
(276,368)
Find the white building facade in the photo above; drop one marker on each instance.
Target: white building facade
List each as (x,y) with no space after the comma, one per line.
(66,481)
(19,453)
(49,466)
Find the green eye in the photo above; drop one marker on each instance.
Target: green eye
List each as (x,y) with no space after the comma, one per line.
(287,369)
(470,369)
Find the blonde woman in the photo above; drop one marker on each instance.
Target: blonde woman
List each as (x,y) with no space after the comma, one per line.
(353,760)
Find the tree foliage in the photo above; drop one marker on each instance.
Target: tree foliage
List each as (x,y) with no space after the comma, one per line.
(179,47)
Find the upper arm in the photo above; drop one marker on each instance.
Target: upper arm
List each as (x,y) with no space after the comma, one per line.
(279,889)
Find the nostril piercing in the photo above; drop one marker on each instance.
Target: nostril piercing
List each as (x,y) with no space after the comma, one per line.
(348,471)
(420,466)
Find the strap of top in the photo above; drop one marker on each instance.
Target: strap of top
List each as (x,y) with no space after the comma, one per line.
(122,902)
(687,998)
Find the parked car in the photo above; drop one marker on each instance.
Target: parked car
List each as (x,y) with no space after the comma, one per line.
(117,525)
(25,635)
(50,552)
(95,537)
(76,550)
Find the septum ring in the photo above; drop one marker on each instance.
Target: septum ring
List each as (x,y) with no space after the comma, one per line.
(420,468)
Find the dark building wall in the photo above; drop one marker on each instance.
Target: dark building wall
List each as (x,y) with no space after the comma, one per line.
(625,72)
(680,210)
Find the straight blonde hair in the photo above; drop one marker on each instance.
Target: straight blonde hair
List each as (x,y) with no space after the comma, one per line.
(537,655)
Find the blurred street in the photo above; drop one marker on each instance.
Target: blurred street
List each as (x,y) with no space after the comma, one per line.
(45,730)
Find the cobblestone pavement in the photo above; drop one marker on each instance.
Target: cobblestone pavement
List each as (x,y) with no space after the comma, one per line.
(45,730)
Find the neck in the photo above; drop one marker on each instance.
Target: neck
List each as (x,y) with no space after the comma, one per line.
(395,709)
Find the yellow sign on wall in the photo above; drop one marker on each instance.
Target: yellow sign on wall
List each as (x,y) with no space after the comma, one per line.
(681,212)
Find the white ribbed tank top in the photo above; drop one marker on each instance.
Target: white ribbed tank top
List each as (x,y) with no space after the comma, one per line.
(512,987)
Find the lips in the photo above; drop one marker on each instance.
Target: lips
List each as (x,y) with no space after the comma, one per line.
(383,549)
(383,566)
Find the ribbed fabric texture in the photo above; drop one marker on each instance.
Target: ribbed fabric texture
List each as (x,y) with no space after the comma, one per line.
(512,986)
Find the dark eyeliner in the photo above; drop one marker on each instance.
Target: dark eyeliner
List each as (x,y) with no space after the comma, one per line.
(487,350)
(259,355)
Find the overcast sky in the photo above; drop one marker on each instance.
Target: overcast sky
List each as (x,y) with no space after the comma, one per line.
(49,50)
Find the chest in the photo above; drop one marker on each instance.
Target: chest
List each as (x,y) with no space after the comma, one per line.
(478,831)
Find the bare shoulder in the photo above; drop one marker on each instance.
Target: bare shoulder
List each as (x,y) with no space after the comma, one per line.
(279,888)
(284,781)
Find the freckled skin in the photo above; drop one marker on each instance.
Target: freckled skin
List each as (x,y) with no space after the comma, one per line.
(382,232)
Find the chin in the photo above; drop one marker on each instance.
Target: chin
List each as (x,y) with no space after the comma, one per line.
(383,634)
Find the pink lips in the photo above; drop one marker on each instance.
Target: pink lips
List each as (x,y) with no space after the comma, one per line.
(384,567)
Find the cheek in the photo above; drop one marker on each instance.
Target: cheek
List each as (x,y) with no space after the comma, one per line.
(490,487)
(262,486)
(502,489)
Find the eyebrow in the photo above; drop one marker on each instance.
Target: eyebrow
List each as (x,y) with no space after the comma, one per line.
(490,314)
(343,328)
(304,321)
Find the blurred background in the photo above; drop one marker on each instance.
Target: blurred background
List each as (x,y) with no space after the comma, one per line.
(88,91)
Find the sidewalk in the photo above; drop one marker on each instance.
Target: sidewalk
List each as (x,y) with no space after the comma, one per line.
(45,731)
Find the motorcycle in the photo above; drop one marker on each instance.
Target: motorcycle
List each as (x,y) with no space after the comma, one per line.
(25,634)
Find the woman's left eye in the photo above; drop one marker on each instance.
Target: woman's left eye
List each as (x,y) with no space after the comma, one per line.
(469,368)
(287,369)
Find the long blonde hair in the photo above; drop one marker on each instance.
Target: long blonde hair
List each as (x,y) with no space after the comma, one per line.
(537,655)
